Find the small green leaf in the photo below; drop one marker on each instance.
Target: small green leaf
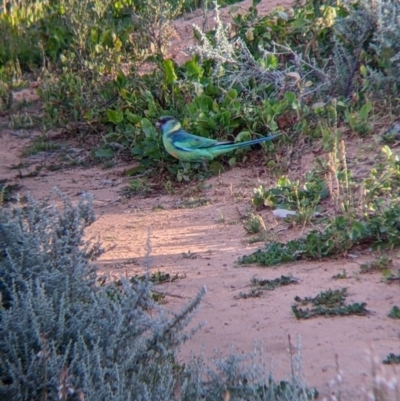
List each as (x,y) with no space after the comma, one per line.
(216,168)
(357,230)
(363,71)
(94,35)
(273,126)
(115,116)
(290,97)
(193,69)
(132,118)
(169,71)
(121,80)
(137,151)
(243,136)
(104,153)
(387,151)
(204,103)
(148,128)
(232,94)
(364,111)
(232,161)
(272,62)
(196,35)
(280,107)
(135,170)
(212,90)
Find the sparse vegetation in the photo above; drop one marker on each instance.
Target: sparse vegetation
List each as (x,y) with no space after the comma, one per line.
(392,359)
(328,303)
(193,202)
(381,264)
(395,312)
(254,224)
(7,191)
(260,286)
(41,145)
(340,276)
(366,214)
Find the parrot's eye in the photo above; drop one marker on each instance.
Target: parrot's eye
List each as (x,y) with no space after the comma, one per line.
(164,120)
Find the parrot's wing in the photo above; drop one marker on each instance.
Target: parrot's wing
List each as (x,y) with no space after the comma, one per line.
(187,142)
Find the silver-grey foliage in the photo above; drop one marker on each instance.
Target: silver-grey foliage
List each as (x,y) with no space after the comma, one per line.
(370,34)
(63,336)
(235,64)
(243,377)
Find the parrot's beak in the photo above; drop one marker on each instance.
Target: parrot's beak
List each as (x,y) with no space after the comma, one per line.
(158,124)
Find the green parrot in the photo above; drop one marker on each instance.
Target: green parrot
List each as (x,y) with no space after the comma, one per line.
(192,148)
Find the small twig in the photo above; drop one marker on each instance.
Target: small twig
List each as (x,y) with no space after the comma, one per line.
(393,278)
(291,355)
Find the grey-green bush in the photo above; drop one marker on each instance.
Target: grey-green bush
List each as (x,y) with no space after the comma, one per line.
(370,36)
(63,336)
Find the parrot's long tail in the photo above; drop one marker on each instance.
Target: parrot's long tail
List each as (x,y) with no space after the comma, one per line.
(221,148)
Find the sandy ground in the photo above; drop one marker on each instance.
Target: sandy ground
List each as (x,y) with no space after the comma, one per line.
(204,243)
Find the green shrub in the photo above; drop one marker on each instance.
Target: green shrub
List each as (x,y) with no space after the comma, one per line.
(301,70)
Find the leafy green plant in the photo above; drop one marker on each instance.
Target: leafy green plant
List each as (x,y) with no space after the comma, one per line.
(338,236)
(193,202)
(328,303)
(292,195)
(359,121)
(158,277)
(254,224)
(335,238)
(367,213)
(340,276)
(41,144)
(381,263)
(391,359)
(259,286)
(395,312)
(302,198)
(137,187)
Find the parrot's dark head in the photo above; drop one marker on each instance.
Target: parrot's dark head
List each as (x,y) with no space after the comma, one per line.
(168,124)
